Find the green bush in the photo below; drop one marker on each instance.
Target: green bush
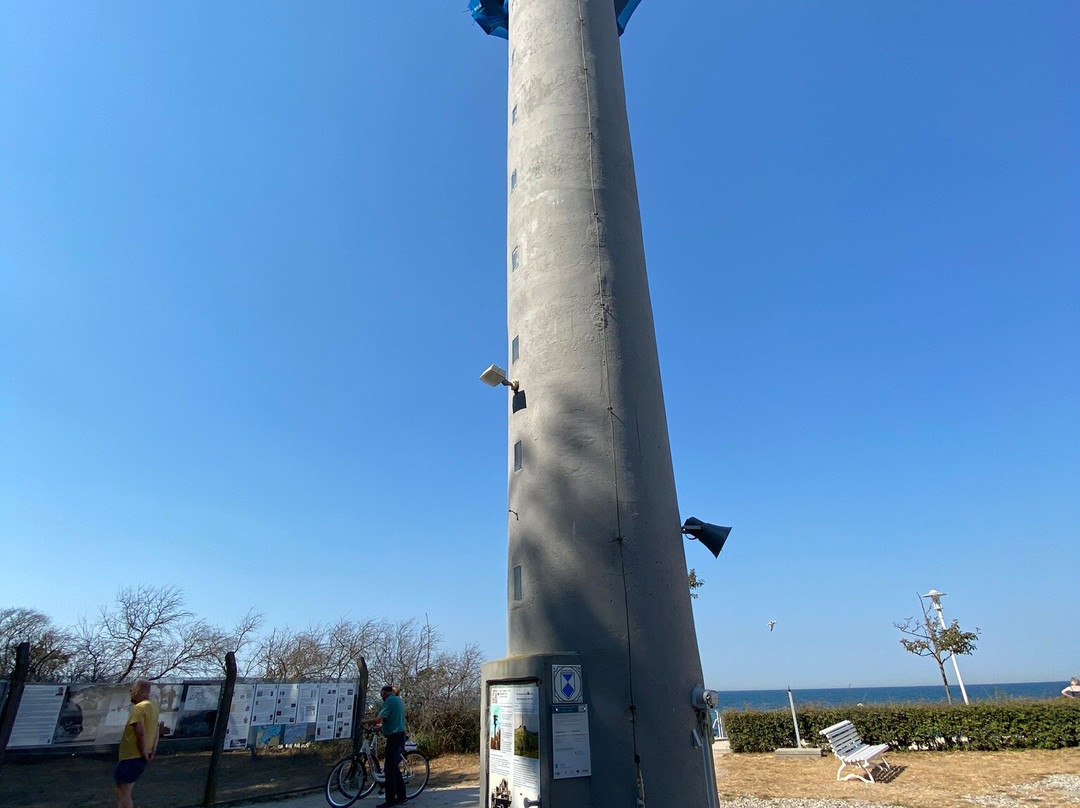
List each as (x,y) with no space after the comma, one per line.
(984,726)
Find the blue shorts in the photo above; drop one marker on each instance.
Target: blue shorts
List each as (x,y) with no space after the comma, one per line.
(128,771)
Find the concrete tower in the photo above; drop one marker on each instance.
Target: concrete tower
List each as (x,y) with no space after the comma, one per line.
(597,580)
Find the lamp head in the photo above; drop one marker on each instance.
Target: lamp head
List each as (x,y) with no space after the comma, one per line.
(712,536)
(935,597)
(493,376)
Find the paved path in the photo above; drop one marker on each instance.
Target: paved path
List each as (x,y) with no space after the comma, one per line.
(457,797)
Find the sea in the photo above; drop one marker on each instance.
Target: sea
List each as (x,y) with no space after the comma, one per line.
(852,695)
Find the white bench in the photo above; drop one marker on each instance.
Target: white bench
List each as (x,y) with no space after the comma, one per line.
(851,751)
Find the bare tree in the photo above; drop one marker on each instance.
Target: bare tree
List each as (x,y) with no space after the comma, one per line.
(93,657)
(147,633)
(236,640)
(50,647)
(405,648)
(151,631)
(353,640)
(290,654)
(926,638)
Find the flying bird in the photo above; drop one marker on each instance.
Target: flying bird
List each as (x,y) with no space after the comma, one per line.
(771,624)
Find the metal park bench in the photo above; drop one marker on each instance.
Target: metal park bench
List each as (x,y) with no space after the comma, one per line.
(851,751)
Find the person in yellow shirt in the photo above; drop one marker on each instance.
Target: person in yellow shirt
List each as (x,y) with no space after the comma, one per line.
(138,744)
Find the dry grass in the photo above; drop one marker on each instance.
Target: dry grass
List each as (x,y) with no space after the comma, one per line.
(920,780)
(455,770)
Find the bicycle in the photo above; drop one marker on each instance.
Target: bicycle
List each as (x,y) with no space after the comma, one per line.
(356,776)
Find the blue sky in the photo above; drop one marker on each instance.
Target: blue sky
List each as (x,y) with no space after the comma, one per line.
(252,263)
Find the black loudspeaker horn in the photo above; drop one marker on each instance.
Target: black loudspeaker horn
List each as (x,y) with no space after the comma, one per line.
(712,536)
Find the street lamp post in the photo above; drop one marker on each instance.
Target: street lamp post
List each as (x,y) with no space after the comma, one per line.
(935,598)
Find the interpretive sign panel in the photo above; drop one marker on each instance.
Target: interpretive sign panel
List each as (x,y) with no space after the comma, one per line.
(96,714)
(326,713)
(201,697)
(93,714)
(307,703)
(36,719)
(264,705)
(236,734)
(570,754)
(286,704)
(513,745)
(346,697)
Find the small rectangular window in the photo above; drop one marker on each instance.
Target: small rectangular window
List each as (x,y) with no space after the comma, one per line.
(514,259)
(513,180)
(517,582)
(517,456)
(514,351)
(513,115)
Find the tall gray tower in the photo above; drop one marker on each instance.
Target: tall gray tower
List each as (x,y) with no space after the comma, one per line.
(604,661)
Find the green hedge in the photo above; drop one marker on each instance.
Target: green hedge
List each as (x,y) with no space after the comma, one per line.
(985,726)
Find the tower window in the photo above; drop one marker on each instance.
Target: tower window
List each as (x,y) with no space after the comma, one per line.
(517,582)
(513,180)
(513,115)
(517,456)
(514,352)
(514,259)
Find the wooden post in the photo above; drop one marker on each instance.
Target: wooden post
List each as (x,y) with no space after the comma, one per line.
(14,695)
(221,726)
(360,705)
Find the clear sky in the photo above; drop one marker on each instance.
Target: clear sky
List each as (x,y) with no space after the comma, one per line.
(252,261)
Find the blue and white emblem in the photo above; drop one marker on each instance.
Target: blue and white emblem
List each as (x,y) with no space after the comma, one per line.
(566,684)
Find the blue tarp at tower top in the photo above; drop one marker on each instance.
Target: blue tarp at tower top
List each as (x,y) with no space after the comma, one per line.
(494,15)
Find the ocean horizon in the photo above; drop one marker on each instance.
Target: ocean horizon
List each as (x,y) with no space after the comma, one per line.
(854,695)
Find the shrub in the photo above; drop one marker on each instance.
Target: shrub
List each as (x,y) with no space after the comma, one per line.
(446,728)
(985,726)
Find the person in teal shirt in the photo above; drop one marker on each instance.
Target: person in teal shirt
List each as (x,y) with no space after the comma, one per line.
(391,722)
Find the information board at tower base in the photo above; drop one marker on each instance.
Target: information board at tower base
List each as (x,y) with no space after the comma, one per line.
(570,754)
(513,738)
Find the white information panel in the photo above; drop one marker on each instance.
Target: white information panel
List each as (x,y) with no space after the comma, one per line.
(513,745)
(264,704)
(286,704)
(346,696)
(266,714)
(326,712)
(236,735)
(307,703)
(570,741)
(38,711)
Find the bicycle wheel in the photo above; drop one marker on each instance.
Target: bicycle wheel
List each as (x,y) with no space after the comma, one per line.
(345,782)
(414,771)
(372,778)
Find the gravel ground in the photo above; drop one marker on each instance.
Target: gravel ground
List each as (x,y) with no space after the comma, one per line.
(1055,789)
(789,802)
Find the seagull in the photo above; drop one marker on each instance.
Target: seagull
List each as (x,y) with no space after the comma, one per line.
(771,624)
